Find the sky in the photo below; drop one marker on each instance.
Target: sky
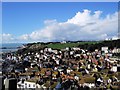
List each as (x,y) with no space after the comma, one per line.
(58,21)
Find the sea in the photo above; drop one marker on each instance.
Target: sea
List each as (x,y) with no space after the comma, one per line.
(9,47)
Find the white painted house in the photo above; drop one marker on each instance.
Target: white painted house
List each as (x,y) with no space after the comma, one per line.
(27,84)
(114,69)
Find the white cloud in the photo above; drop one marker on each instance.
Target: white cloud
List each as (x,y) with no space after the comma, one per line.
(115,37)
(85,17)
(24,37)
(83,26)
(6,38)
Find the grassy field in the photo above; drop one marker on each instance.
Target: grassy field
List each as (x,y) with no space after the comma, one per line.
(64,45)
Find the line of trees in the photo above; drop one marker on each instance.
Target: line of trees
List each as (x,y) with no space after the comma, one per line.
(110,44)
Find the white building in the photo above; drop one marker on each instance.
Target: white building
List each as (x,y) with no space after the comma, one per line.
(27,84)
(90,85)
(105,49)
(114,69)
(75,48)
(63,42)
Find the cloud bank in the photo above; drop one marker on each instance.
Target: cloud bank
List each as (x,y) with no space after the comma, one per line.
(84,25)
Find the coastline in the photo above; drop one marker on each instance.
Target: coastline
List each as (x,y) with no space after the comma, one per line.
(10,47)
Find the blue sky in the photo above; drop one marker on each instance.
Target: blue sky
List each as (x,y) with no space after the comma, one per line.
(21,18)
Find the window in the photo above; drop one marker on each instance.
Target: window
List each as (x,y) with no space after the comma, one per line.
(25,85)
(33,85)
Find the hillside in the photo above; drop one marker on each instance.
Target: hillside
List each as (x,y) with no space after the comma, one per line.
(89,45)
